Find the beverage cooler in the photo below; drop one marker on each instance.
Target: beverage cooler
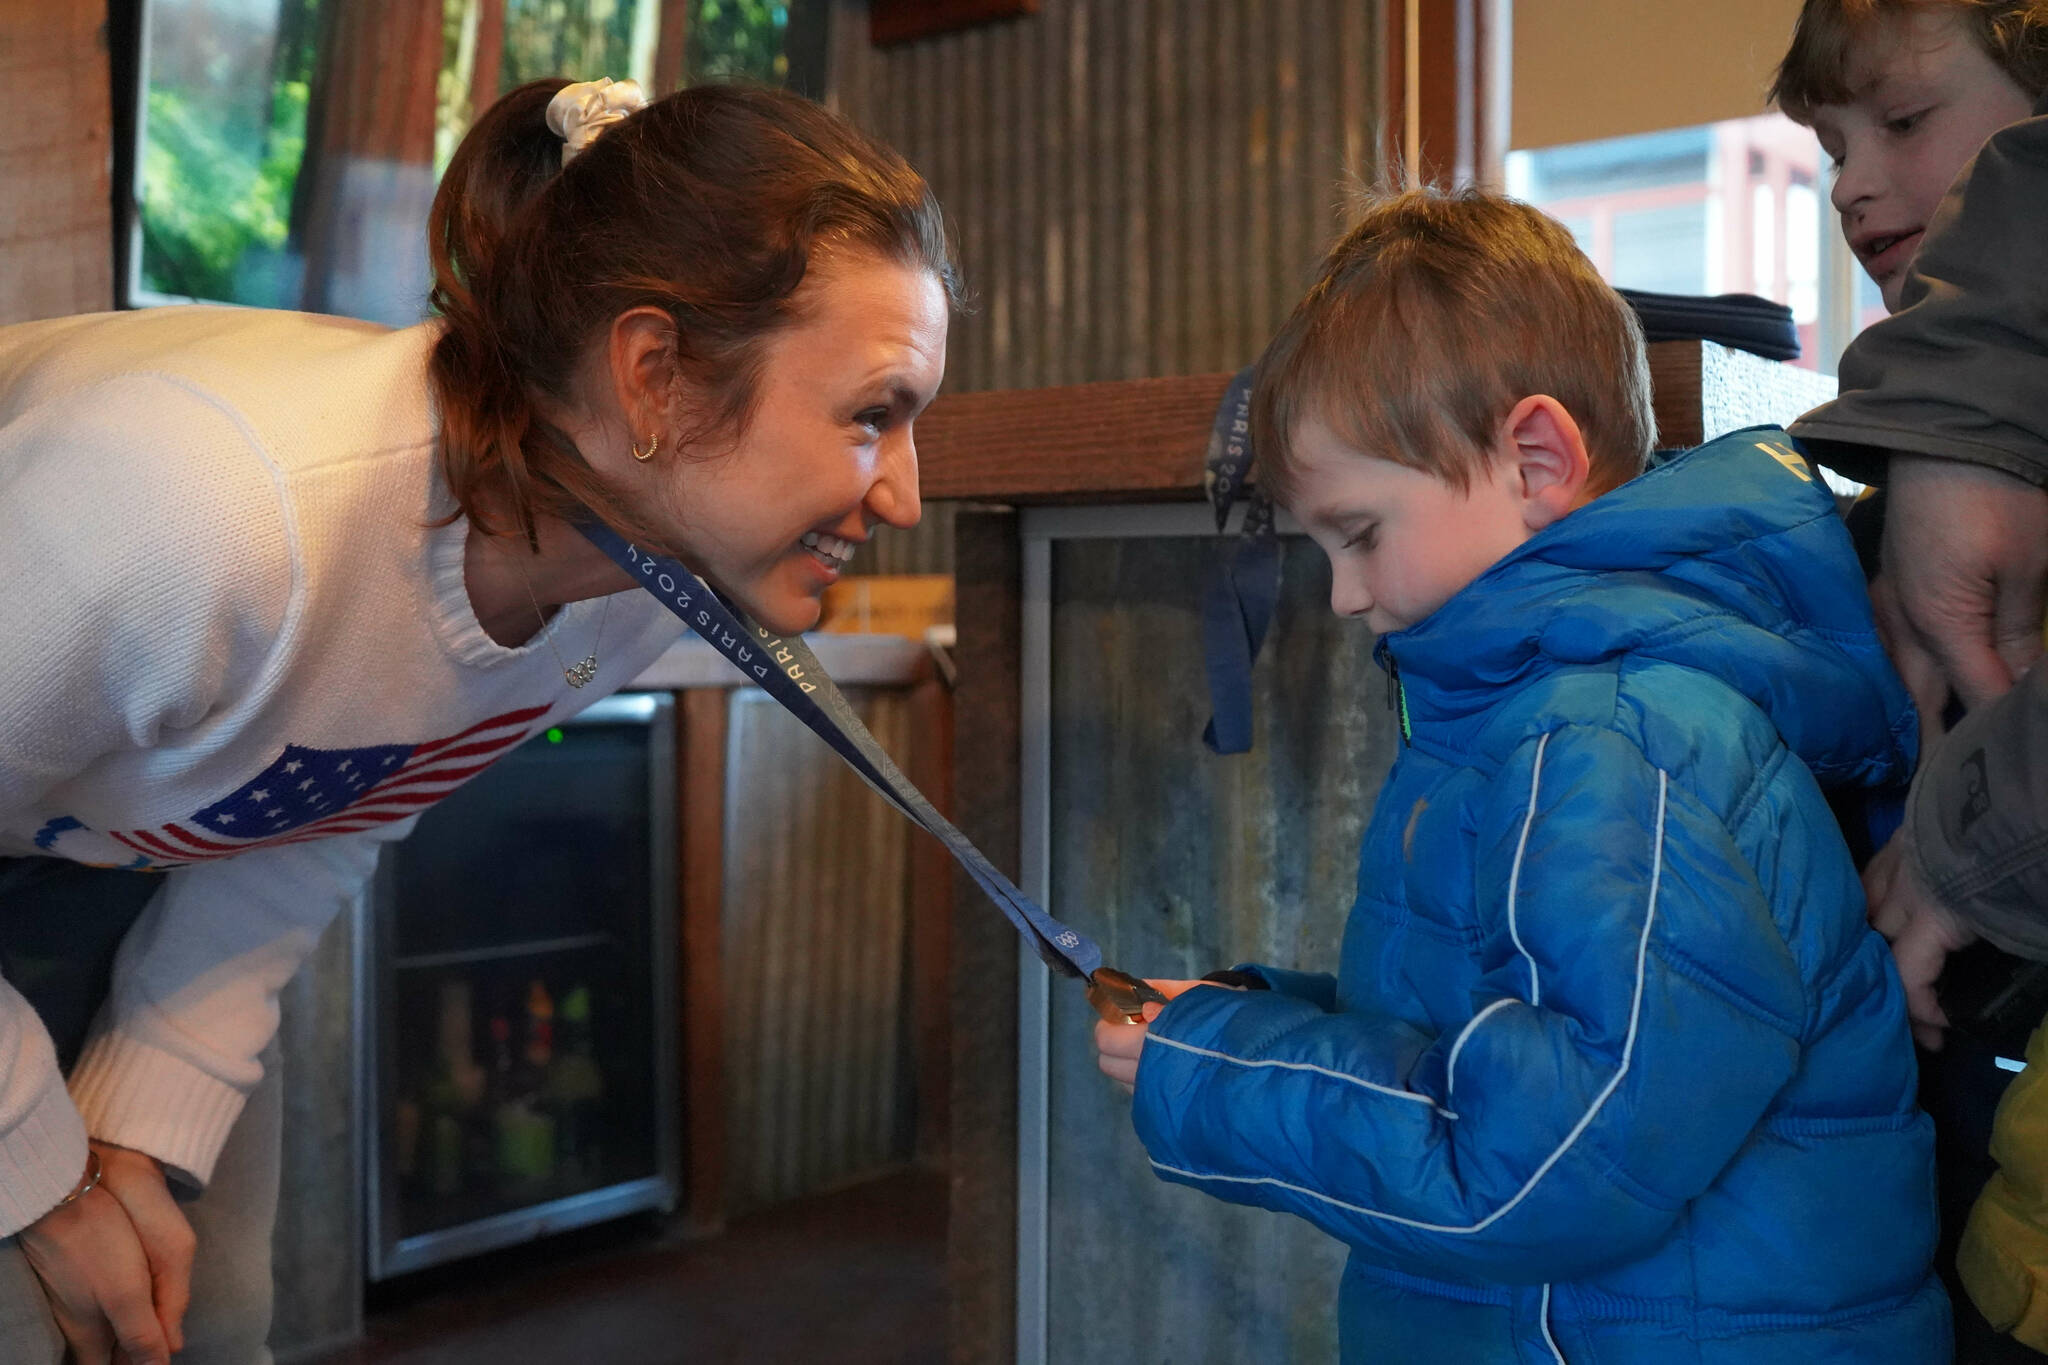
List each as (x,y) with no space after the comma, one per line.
(519,1001)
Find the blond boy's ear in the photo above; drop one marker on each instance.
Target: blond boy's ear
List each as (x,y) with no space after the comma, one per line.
(1543,454)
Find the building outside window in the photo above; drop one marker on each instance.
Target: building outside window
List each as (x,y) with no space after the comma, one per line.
(1738,206)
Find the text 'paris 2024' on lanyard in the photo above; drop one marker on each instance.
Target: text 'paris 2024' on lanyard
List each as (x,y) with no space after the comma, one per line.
(788,672)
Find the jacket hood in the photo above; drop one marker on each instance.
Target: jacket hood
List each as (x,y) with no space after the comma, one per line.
(1728,558)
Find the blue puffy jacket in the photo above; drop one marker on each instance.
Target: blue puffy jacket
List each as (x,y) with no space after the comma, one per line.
(1613,1069)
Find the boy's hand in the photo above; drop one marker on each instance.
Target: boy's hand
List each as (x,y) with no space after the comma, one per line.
(1921,930)
(1118,1045)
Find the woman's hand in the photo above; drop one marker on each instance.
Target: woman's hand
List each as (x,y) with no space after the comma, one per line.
(1965,580)
(116,1264)
(1117,1045)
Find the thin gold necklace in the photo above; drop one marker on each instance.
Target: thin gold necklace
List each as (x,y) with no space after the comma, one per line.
(585,668)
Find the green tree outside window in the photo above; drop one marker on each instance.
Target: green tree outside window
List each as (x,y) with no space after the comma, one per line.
(228,98)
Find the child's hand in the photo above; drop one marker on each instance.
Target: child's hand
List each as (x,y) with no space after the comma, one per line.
(1118,1045)
(1921,929)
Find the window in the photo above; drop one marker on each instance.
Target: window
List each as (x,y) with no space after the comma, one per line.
(1733,207)
(739,40)
(224,109)
(287,150)
(536,38)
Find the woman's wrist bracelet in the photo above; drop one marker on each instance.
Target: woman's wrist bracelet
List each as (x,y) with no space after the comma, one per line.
(87,1181)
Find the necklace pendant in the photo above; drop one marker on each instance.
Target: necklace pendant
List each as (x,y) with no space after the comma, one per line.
(583,672)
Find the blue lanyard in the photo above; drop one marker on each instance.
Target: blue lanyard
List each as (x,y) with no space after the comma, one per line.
(1244,584)
(788,672)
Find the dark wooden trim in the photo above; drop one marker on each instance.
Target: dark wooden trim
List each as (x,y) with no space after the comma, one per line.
(1134,440)
(981,1236)
(1700,390)
(904,21)
(700,871)
(1675,393)
(1453,89)
(930,767)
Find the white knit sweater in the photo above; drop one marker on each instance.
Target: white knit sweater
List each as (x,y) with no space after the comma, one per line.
(230,644)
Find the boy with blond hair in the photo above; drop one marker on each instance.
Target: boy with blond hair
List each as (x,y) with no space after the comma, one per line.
(1612,1067)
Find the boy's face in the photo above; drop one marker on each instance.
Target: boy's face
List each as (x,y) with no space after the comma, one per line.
(1928,97)
(1401,542)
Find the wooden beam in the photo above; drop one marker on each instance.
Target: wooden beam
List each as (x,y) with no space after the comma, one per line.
(672,48)
(700,872)
(1119,440)
(981,1231)
(1133,440)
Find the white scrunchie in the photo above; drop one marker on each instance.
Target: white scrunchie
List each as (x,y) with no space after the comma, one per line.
(581,111)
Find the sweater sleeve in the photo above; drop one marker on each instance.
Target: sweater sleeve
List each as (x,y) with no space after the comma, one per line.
(42,1140)
(1958,373)
(1638,1012)
(122,620)
(175,1052)
(1978,818)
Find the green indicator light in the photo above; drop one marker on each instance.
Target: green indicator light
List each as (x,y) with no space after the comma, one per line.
(554,734)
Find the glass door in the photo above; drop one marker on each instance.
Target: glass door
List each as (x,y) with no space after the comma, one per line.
(522,996)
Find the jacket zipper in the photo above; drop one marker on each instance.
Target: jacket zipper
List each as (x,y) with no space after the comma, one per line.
(1397,696)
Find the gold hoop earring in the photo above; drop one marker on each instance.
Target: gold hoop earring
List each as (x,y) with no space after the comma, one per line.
(653,444)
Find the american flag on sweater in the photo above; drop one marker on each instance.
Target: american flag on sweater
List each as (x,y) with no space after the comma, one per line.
(315,793)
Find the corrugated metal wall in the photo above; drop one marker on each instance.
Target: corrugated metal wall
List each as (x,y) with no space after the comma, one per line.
(816,893)
(1180,862)
(1139,187)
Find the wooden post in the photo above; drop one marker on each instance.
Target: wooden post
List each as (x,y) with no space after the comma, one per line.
(490,57)
(671,49)
(56,228)
(700,817)
(1441,59)
(981,1233)
(368,176)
